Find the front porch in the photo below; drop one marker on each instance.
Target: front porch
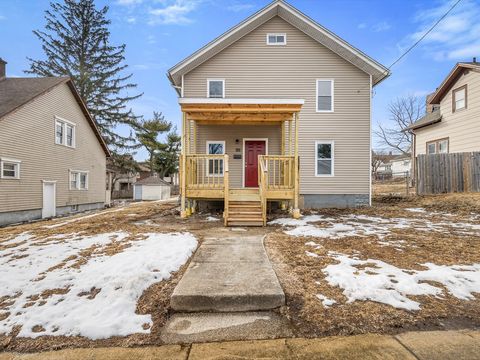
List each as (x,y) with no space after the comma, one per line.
(244,174)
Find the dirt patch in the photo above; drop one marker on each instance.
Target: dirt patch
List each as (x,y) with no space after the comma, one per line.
(299,267)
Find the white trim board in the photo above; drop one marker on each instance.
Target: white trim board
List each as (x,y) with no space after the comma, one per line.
(245,101)
(243,155)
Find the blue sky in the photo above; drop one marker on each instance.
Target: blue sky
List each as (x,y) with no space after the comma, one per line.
(159,33)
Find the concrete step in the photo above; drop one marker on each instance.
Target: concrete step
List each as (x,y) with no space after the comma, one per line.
(229,275)
(185,328)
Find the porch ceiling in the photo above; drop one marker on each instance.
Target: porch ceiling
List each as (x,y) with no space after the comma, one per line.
(240,111)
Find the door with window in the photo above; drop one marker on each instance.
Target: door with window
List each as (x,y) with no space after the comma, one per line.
(49,199)
(253,148)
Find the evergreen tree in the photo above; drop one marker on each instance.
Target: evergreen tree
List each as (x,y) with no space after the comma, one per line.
(148,133)
(166,160)
(76,43)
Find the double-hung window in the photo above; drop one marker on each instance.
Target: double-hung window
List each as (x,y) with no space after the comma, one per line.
(215,166)
(9,168)
(78,180)
(437,146)
(459,98)
(277,39)
(325,95)
(324,158)
(64,132)
(216,88)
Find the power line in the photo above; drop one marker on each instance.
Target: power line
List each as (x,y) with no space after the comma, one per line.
(424,35)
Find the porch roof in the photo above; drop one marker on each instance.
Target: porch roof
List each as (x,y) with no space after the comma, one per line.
(208,111)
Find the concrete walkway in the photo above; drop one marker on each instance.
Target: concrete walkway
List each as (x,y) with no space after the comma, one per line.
(229,274)
(228,292)
(435,345)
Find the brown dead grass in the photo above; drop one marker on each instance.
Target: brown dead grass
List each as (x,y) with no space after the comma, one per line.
(302,278)
(135,219)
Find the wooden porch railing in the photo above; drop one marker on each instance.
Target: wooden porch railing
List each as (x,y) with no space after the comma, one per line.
(206,172)
(276,179)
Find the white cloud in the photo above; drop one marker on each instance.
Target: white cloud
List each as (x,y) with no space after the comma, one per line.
(457,37)
(240,7)
(174,12)
(362,26)
(129,2)
(2,17)
(131,20)
(381,26)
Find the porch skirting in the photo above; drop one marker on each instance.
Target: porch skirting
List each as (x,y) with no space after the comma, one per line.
(318,201)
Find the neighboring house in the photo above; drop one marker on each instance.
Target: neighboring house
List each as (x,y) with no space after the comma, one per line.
(52,156)
(397,166)
(151,188)
(452,122)
(278,108)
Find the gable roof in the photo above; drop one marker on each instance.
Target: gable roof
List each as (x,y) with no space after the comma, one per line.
(450,80)
(295,18)
(17,92)
(152,180)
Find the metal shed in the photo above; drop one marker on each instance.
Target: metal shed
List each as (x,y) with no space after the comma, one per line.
(151,188)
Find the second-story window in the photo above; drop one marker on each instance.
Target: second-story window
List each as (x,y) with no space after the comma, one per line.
(216,88)
(64,133)
(325,95)
(459,98)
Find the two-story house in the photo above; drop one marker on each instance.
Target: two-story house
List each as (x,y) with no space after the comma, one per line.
(452,122)
(277,109)
(52,156)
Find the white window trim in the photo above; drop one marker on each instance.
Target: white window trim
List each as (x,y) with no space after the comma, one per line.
(77,187)
(12,161)
(63,122)
(332,93)
(208,162)
(332,143)
(275,43)
(223,88)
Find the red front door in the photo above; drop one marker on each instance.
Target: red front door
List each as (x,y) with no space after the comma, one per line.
(253,148)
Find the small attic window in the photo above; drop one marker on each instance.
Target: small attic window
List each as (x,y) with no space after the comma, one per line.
(276,39)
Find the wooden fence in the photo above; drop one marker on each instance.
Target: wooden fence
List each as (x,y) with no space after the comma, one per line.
(446,173)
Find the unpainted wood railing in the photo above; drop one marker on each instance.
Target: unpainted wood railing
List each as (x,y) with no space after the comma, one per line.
(280,171)
(262,187)
(206,172)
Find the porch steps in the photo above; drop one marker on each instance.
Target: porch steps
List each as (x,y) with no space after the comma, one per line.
(244,208)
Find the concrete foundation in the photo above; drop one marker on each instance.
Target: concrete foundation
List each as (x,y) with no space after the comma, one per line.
(14,217)
(318,201)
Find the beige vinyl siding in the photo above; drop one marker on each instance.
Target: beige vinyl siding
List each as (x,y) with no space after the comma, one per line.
(253,69)
(28,134)
(230,134)
(461,127)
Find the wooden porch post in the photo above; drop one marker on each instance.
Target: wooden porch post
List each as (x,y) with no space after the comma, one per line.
(296,210)
(183,210)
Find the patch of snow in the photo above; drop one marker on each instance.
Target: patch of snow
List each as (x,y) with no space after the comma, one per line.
(298,222)
(416,210)
(308,253)
(121,278)
(212,218)
(381,282)
(17,239)
(326,302)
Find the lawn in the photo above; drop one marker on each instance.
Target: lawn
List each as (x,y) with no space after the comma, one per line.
(405,263)
(97,279)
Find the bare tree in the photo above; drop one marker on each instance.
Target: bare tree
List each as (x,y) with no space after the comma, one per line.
(379,158)
(404,112)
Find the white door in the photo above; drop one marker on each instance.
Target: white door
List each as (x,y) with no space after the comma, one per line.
(49,193)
